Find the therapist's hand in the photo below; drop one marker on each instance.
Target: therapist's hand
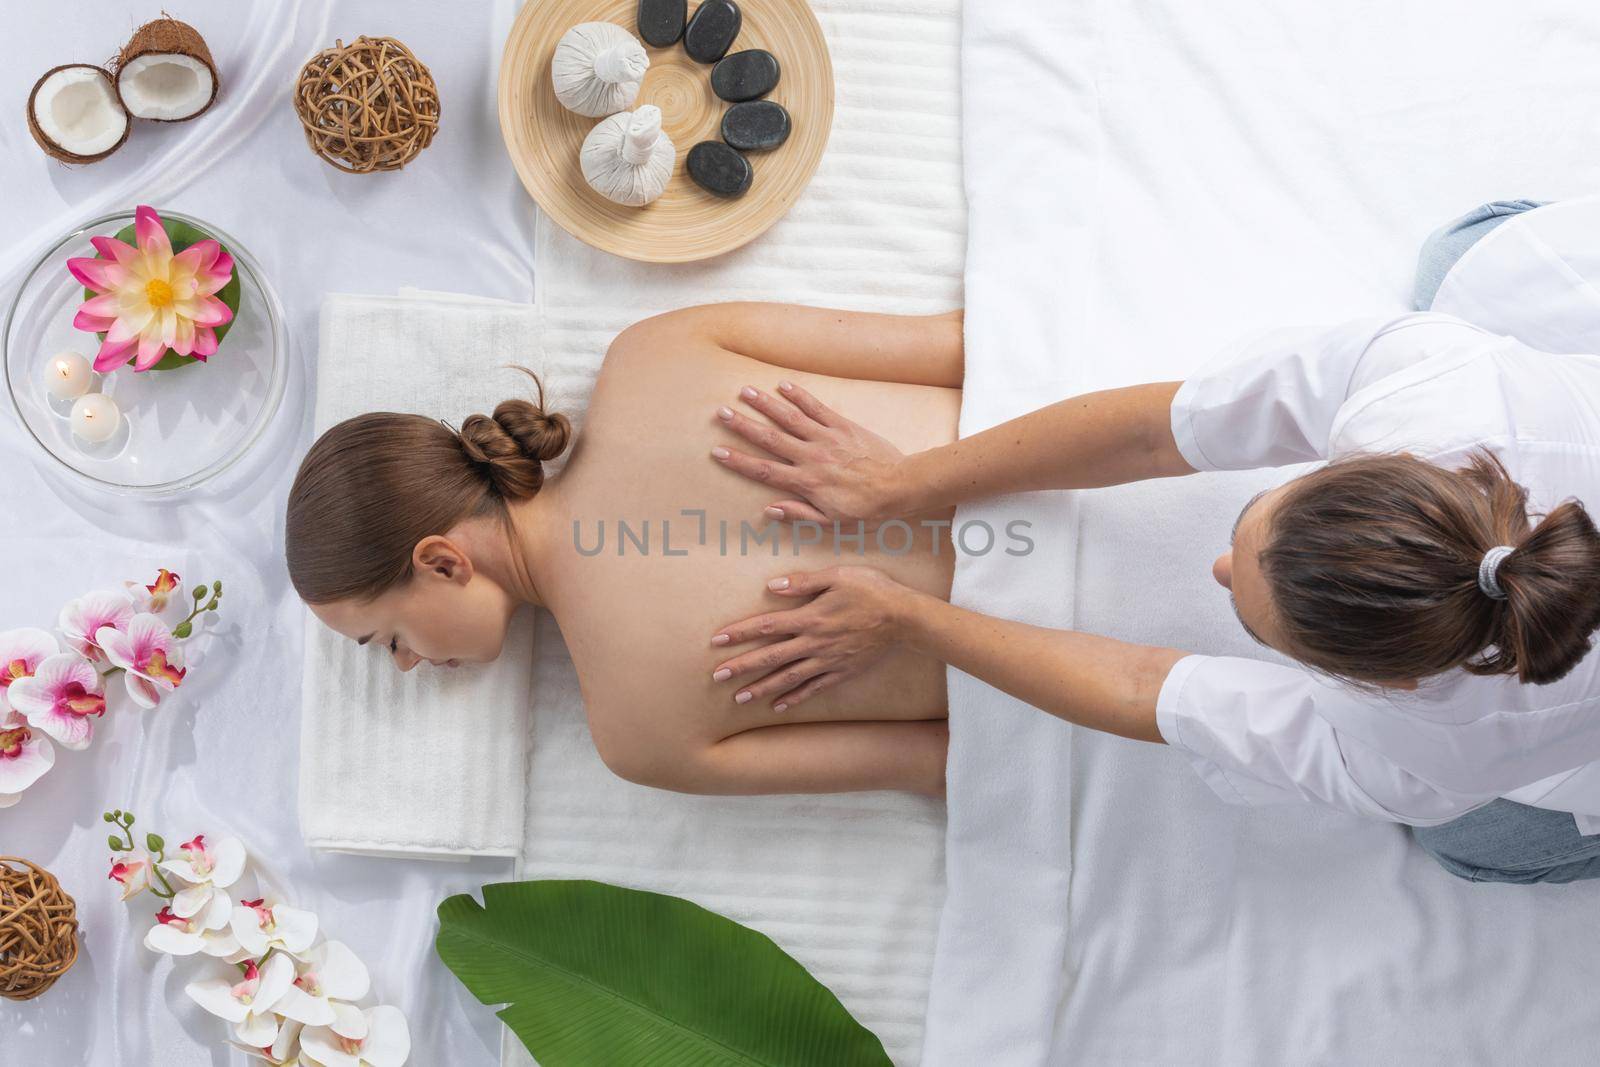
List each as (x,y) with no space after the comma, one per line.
(853,616)
(835,469)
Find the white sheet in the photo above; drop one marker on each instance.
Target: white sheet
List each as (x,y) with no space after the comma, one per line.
(227,756)
(1205,171)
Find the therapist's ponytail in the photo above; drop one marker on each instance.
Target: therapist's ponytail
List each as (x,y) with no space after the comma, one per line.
(1373,566)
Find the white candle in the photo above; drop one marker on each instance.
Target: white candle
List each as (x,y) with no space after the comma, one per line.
(95,417)
(67,375)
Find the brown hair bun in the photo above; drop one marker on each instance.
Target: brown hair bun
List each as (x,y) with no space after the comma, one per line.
(513,445)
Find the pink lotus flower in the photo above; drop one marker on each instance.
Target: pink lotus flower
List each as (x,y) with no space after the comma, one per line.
(148,655)
(24,758)
(85,617)
(21,652)
(61,697)
(149,300)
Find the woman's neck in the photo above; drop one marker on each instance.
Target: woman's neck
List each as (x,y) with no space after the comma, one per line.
(534,526)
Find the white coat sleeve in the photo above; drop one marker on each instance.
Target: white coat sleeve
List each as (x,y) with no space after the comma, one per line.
(1272,401)
(1253,732)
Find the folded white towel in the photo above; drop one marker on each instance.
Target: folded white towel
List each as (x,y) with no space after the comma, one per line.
(435,762)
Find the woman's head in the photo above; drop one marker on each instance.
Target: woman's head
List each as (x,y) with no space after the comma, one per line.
(397,527)
(1368,569)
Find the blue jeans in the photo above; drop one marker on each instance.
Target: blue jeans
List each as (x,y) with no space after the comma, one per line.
(1504,841)
(1446,244)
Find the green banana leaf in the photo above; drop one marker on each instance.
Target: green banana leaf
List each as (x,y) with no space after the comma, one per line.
(595,975)
(182,235)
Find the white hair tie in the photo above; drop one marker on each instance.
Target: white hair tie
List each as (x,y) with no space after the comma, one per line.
(1489,571)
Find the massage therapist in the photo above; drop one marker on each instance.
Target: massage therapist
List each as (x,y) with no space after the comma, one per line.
(1437,580)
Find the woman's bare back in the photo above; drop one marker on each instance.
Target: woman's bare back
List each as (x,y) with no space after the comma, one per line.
(658,546)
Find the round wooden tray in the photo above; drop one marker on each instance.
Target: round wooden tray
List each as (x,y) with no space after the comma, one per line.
(687,223)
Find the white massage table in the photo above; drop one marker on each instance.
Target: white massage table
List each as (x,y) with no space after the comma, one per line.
(1190,173)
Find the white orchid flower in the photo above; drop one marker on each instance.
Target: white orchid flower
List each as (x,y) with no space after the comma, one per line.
(21,652)
(261,928)
(283,1052)
(247,1003)
(206,932)
(208,870)
(386,1044)
(133,872)
(331,977)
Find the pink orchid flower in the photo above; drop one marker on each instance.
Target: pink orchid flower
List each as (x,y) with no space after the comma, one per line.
(87,616)
(132,872)
(21,652)
(149,300)
(159,595)
(60,698)
(148,655)
(387,1042)
(24,758)
(248,1002)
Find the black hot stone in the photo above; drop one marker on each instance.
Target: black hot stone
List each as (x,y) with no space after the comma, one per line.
(661,21)
(718,169)
(745,75)
(711,32)
(755,125)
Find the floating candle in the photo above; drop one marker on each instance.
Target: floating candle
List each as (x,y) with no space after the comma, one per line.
(67,375)
(95,418)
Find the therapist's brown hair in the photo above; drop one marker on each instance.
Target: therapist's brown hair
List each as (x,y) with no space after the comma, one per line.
(1372,563)
(375,485)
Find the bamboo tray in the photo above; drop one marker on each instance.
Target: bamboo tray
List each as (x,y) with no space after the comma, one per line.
(687,223)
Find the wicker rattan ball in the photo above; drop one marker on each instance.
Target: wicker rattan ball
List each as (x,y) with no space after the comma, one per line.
(38,929)
(370,105)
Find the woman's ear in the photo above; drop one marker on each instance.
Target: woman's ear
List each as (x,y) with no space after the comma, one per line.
(439,556)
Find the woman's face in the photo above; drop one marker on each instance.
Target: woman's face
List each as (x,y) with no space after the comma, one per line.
(447,614)
(1238,570)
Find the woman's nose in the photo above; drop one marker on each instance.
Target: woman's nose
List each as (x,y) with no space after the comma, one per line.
(405,659)
(1222,570)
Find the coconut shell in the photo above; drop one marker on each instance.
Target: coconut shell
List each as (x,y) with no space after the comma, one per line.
(55,151)
(166,36)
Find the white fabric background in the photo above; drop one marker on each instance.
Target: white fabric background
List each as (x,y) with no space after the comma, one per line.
(224,758)
(1205,171)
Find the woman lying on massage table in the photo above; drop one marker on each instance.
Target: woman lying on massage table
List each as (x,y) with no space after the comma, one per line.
(1438,580)
(408,536)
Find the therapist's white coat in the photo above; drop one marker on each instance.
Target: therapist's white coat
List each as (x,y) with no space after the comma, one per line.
(1436,386)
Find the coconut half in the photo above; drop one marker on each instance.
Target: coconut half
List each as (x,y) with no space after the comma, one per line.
(165,72)
(74,114)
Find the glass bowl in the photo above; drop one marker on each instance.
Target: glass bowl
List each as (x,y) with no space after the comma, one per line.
(179,427)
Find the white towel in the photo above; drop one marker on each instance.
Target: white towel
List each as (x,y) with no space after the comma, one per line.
(849,885)
(434,762)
